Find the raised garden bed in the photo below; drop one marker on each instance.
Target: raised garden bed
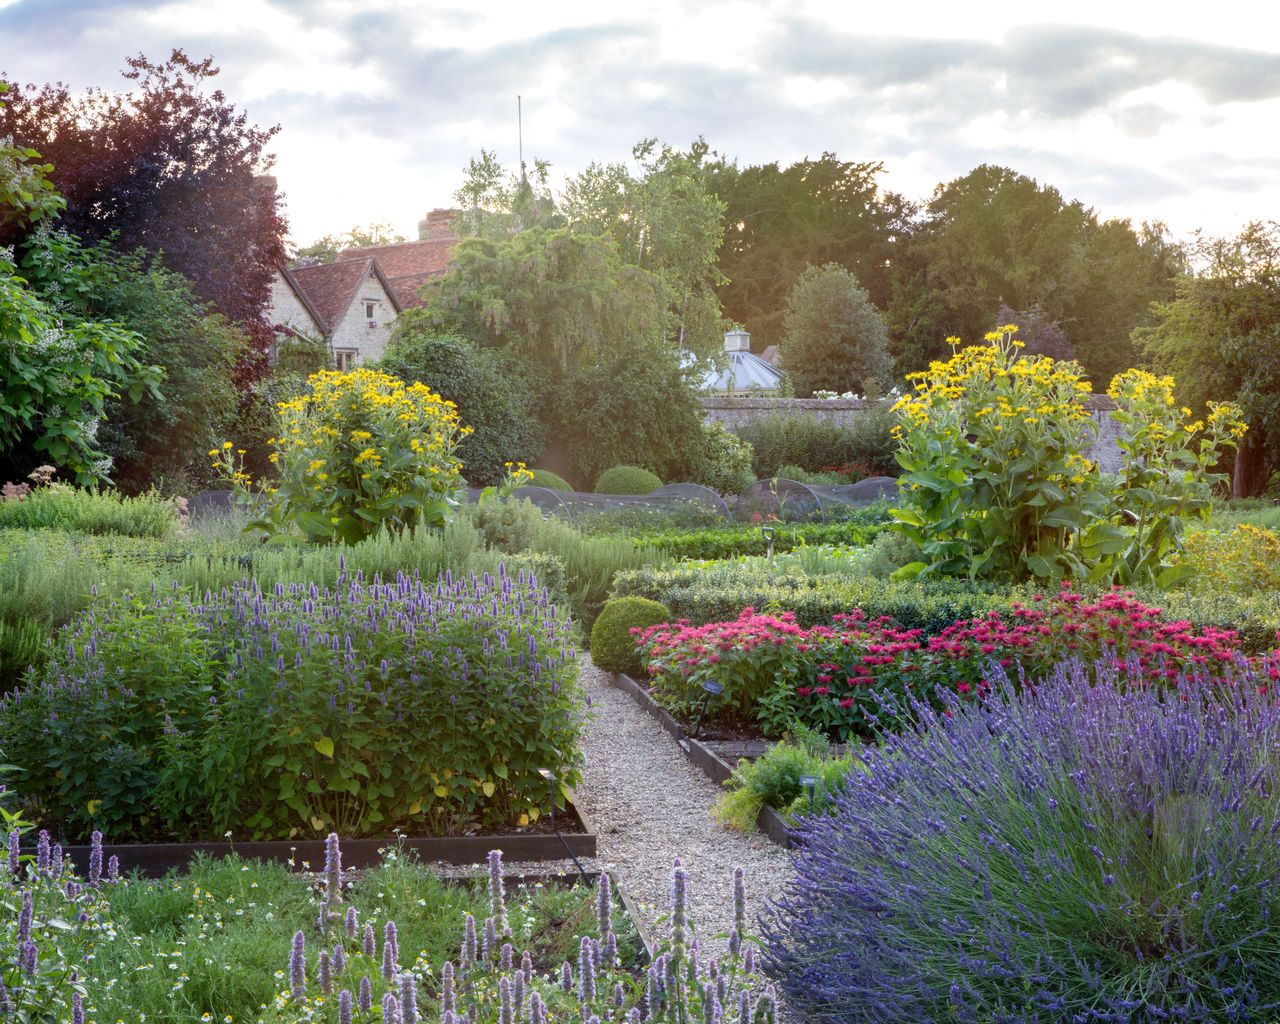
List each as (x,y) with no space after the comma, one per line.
(706,756)
(154,859)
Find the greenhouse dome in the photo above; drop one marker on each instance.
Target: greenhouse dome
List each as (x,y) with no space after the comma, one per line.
(744,373)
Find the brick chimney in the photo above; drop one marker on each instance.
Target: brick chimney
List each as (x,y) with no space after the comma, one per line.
(437,225)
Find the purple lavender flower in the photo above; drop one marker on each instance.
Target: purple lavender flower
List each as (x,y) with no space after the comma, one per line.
(744,1007)
(390,1009)
(586,972)
(537,1009)
(526,967)
(113,869)
(447,997)
(740,900)
(366,996)
(344,1007)
(42,852)
(566,977)
(6,1004)
(332,870)
(619,995)
(604,905)
(15,851)
(490,940)
(711,1012)
(505,1014)
(352,924)
(77,1008)
(298,967)
(28,958)
(408,998)
(679,907)
(390,952)
(609,957)
(749,959)
(24,917)
(325,971)
(506,958)
(56,860)
(497,894)
(369,943)
(468,956)
(339,961)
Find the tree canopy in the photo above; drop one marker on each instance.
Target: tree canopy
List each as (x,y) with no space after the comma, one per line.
(166,167)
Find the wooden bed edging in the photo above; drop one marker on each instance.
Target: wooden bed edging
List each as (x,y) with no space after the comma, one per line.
(155,859)
(711,764)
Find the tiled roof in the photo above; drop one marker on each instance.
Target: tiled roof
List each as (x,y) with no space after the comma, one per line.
(406,264)
(330,287)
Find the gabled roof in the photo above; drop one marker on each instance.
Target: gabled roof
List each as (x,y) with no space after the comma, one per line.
(302,297)
(330,288)
(407,264)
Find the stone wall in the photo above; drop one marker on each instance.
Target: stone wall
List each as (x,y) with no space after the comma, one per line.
(736,413)
(288,311)
(354,332)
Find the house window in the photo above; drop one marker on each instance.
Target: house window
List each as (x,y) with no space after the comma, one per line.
(369,306)
(344,358)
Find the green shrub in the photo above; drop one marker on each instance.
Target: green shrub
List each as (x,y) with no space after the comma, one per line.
(491,398)
(733,539)
(724,462)
(60,507)
(300,711)
(719,594)
(508,525)
(613,648)
(627,480)
(818,445)
(552,481)
(774,780)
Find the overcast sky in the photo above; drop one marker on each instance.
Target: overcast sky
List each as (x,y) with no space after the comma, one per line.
(1153,112)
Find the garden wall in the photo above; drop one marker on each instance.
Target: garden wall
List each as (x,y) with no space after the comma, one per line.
(736,413)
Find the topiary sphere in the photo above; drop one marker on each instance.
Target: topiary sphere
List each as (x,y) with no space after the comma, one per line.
(613,648)
(551,481)
(627,480)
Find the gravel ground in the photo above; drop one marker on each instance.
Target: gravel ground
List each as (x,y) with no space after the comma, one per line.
(648,805)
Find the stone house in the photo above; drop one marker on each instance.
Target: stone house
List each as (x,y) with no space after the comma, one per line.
(349,305)
(352,304)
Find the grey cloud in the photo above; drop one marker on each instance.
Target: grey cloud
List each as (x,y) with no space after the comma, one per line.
(1058,71)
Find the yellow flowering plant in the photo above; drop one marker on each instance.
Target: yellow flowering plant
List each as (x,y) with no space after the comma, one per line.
(997,483)
(1167,475)
(358,451)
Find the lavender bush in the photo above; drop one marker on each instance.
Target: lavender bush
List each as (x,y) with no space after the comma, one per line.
(1086,853)
(301,710)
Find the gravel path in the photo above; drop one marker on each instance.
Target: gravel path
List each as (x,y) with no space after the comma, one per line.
(648,805)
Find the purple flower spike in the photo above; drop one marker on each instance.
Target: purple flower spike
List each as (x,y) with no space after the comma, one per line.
(298,968)
(679,907)
(77,1008)
(390,1009)
(28,958)
(490,940)
(497,894)
(505,1014)
(507,958)
(369,944)
(15,851)
(586,972)
(604,905)
(42,852)
(55,860)
(366,996)
(344,1007)
(740,900)
(390,952)
(469,942)
(352,923)
(566,977)
(339,961)
(408,999)
(113,868)
(332,870)
(447,997)
(537,1009)
(24,917)
(325,970)
(95,860)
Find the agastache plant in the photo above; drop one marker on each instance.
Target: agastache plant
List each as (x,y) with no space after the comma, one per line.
(1092,849)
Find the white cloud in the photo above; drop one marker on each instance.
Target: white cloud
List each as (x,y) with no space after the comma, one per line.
(383,101)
